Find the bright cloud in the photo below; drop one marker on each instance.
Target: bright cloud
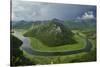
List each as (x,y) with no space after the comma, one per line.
(87,15)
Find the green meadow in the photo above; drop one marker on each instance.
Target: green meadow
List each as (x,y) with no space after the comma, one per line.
(38,45)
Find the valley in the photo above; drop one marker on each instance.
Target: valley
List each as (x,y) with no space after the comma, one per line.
(37,46)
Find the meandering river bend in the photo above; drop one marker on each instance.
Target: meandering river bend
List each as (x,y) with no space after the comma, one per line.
(27,48)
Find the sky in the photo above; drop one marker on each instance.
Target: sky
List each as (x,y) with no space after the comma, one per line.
(32,11)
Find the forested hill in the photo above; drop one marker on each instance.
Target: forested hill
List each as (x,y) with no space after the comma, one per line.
(52,33)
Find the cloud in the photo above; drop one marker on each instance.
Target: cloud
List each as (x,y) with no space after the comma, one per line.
(87,15)
(28,10)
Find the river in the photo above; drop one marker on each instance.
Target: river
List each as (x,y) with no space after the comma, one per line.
(27,48)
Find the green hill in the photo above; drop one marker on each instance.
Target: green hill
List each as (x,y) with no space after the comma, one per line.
(21,24)
(51,33)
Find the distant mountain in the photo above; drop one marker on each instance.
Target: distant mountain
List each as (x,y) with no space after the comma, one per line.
(76,24)
(21,24)
(51,34)
(81,24)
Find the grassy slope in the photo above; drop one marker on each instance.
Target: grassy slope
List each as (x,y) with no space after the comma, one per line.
(37,45)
